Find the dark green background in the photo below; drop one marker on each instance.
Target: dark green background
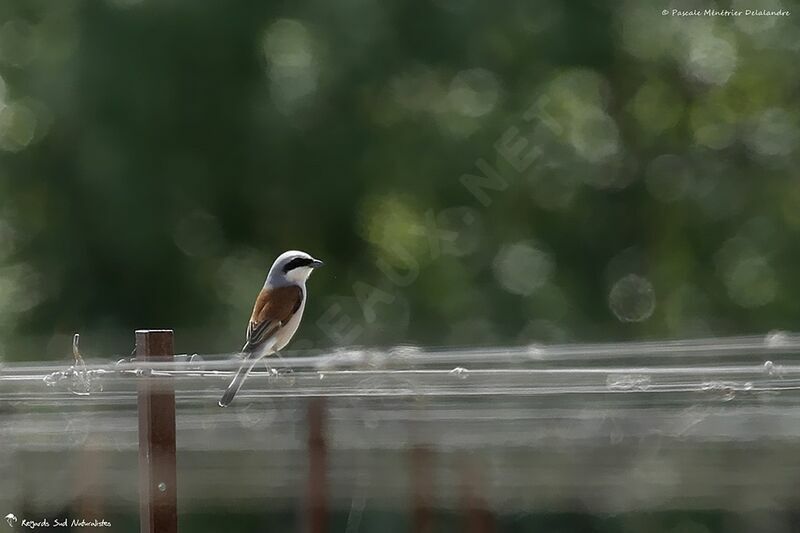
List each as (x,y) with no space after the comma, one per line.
(158,155)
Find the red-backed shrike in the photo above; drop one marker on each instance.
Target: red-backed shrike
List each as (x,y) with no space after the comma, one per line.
(276,313)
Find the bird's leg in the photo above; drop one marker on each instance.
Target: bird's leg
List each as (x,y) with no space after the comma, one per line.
(270,371)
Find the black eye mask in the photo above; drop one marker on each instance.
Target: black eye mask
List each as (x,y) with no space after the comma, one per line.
(297,262)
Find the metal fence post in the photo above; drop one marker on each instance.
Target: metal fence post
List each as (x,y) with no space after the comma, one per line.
(317,518)
(157,464)
(422,489)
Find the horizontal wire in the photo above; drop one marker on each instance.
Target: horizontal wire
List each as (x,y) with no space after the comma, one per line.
(705,365)
(653,424)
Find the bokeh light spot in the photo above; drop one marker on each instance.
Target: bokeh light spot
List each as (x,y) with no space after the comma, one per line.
(17,126)
(746,273)
(710,59)
(751,282)
(522,268)
(474,92)
(21,289)
(287,44)
(774,133)
(632,298)
(288,47)
(595,136)
(392,222)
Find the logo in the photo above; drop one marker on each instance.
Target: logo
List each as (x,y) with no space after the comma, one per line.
(11,519)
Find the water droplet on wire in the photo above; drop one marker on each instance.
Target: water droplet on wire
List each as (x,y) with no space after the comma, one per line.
(460,372)
(777,339)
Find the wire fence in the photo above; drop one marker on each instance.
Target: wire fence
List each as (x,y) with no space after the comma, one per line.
(605,427)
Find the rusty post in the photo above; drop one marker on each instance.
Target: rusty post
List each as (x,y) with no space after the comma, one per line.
(157,465)
(478,517)
(422,490)
(317,518)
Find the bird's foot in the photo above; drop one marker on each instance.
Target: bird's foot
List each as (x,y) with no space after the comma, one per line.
(285,369)
(277,372)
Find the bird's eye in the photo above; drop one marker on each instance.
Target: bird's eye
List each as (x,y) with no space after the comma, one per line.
(296,262)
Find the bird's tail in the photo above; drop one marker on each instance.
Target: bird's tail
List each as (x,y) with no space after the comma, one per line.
(238,380)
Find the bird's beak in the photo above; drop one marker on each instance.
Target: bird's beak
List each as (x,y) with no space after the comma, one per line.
(316,263)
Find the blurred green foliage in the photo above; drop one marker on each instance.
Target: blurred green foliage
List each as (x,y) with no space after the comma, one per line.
(155,156)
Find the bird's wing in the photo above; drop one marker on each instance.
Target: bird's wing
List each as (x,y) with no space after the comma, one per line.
(273,308)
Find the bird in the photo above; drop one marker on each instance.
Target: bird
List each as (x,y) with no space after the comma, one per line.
(276,314)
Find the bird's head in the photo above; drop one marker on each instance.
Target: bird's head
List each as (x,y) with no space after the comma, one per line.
(292,266)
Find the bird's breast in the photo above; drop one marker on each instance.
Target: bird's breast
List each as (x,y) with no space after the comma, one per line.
(285,334)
